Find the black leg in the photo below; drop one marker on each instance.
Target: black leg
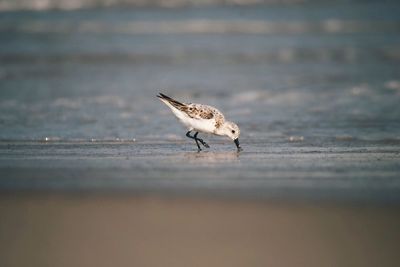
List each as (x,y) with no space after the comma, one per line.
(195,139)
(201,140)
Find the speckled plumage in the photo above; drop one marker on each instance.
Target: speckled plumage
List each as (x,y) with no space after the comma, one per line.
(202,118)
(200,111)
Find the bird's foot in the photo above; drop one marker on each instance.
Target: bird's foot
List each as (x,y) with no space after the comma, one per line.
(203,143)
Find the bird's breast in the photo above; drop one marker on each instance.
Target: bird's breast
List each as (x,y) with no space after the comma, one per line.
(206,126)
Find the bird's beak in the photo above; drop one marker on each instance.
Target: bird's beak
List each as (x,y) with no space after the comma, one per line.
(239,148)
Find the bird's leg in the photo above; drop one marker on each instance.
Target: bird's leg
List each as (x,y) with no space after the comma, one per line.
(201,140)
(195,139)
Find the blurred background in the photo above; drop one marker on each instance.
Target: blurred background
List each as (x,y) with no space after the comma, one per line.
(95,170)
(314,70)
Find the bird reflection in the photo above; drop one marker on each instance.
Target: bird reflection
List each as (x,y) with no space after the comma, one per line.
(212,157)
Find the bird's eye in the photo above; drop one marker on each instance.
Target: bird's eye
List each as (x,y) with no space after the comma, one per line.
(233,131)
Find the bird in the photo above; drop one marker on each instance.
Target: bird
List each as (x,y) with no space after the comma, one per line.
(202,118)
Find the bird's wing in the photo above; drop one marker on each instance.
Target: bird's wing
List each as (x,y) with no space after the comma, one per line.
(172,101)
(204,112)
(196,111)
(200,112)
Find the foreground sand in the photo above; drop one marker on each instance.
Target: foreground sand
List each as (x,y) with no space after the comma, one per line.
(124,230)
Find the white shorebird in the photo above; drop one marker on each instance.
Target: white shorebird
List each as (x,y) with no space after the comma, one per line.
(202,118)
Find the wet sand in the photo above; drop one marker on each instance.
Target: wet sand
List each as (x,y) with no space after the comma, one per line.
(293,170)
(148,230)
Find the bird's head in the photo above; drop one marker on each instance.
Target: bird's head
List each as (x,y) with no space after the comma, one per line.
(231,130)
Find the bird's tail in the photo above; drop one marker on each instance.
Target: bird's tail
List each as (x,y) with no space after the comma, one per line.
(173,102)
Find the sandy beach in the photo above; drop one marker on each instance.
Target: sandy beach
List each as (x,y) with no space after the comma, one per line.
(128,230)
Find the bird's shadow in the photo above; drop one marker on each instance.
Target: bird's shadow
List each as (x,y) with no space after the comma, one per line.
(211,157)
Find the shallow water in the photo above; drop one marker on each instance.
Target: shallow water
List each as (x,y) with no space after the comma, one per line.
(263,170)
(314,87)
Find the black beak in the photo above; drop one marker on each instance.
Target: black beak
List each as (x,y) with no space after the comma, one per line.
(239,148)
